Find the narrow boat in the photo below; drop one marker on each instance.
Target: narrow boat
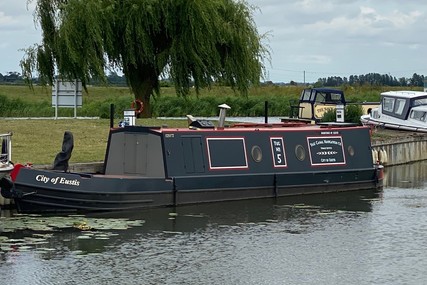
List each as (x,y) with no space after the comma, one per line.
(159,166)
(402,110)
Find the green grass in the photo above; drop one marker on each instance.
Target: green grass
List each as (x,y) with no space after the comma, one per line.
(38,141)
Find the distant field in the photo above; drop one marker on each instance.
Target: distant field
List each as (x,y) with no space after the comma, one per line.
(100,93)
(21,101)
(97,93)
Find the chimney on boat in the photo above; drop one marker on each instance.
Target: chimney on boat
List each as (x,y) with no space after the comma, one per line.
(222,112)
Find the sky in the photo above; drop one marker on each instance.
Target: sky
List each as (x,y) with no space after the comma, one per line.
(307,39)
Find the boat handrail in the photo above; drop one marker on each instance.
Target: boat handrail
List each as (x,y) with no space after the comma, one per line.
(269,125)
(5,148)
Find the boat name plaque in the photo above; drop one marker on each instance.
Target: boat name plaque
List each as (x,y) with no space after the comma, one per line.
(57,180)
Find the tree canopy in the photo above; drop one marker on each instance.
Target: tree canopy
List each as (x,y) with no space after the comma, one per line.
(192,42)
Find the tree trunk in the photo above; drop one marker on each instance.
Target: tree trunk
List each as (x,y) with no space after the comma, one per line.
(143,80)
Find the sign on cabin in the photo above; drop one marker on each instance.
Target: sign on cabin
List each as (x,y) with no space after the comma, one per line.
(326,150)
(277,147)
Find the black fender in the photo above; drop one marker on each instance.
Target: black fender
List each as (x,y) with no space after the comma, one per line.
(6,185)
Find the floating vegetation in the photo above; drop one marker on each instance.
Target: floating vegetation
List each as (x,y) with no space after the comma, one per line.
(83,226)
(172,233)
(52,224)
(35,231)
(195,216)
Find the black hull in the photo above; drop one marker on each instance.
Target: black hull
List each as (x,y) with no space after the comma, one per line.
(182,191)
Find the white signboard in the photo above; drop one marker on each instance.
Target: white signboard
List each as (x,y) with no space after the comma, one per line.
(67,94)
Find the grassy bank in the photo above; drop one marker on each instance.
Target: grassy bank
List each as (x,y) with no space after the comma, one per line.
(38,141)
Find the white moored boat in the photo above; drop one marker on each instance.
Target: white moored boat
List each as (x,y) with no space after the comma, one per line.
(403,110)
(6,165)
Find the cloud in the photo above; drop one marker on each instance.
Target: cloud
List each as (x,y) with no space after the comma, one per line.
(17,31)
(344,37)
(321,37)
(312,59)
(5,20)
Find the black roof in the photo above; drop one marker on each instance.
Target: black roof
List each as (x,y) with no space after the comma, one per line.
(328,90)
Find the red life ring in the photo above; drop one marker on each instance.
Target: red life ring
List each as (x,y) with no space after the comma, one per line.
(138,106)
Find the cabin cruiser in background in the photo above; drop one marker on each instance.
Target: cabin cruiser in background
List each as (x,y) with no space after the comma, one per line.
(315,102)
(402,110)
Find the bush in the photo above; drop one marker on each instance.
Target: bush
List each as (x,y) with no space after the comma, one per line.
(352,114)
(329,116)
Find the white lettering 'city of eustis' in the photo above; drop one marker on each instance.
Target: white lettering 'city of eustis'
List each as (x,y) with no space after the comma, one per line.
(57,180)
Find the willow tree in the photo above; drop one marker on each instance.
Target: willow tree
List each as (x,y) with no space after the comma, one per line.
(192,42)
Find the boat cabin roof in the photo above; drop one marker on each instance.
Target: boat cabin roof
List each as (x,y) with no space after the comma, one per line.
(405,94)
(398,104)
(322,95)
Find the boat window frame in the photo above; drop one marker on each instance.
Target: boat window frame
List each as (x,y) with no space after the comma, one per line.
(306,95)
(399,107)
(330,96)
(419,102)
(256,153)
(385,104)
(320,97)
(395,111)
(421,117)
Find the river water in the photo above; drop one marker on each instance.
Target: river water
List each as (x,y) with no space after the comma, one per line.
(348,238)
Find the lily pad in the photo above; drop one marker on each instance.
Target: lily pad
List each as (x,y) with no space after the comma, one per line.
(84,237)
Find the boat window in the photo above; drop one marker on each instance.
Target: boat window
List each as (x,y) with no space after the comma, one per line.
(400,105)
(227,153)
(300,152)
(305,96)
(328,97)
(336,97)
(350,150)
(256,153)
(321,97)
(418,102)
(418,115)
(388,104)
(313,96)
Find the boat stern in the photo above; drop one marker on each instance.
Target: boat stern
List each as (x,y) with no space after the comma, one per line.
(7,183)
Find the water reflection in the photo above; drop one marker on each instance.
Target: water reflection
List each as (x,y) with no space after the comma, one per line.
(413,175)
(52,238)
(194,217)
